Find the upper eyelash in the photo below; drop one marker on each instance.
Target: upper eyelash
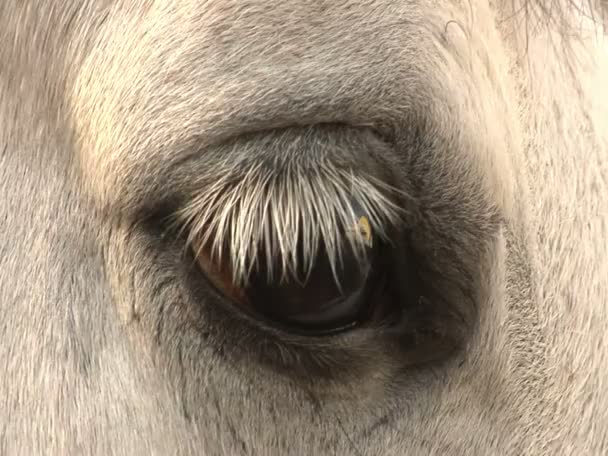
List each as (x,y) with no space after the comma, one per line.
(278,211)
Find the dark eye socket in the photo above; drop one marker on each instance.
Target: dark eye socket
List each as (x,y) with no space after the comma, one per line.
(327,298)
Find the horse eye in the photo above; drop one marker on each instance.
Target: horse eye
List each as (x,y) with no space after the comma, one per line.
(324,298)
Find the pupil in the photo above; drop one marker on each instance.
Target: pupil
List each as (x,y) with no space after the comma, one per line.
(318,303)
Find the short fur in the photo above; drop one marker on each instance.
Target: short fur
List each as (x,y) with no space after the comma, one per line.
(484,122)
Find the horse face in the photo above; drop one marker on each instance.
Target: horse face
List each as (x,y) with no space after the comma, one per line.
(261,227)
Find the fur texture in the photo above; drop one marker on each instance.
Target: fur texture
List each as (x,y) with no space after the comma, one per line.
(479,127)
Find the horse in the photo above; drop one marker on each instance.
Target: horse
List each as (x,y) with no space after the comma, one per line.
(303,227)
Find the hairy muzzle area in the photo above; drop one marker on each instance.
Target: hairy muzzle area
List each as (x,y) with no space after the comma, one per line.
(296,218)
